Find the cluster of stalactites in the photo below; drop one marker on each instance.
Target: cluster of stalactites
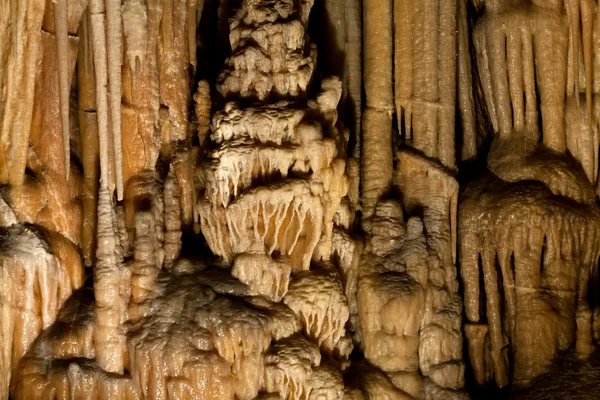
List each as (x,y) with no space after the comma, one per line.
(413,45)
(269,54)
(35,283)
(517,43)
(529,268)
(278,196)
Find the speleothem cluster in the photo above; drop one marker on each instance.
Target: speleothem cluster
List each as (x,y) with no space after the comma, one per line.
(296,199)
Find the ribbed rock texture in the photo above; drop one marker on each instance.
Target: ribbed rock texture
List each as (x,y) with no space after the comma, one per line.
(298,199)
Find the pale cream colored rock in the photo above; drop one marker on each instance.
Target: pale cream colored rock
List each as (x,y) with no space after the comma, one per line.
(325,382)
(317,298)
(288,364)
(172,245)
(524,229)
(408,382)
(35,283)
(369,383)
(347,252)
(202,108)
(390,307)
(425,75)
(277,193)
(263,275)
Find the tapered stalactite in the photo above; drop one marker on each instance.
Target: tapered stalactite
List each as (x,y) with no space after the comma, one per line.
(581,26)
(5,31)
(173,65)
(425,46)
(135,28)
(377,116)
(141,95)
(465,99)
(353,70)
(522,62)
(574,16)
(110,310)
(88,130)
(18,84)
(114,43)
(587,24)
(35,283)
(191,26)
(98,37)
(64,87)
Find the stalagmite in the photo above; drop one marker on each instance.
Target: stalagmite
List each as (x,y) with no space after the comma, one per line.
(203,108)
(110,302)
(146,264)
(172,244)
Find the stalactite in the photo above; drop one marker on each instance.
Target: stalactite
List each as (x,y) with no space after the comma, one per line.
(114,44)
(317,298)
(587,24)
(497,250)
(98,37)
(19,84)
(64,87)
(192,24)
(275,305)
(135,29)
(182,168)
(35,283)
(575,29)
(353,70)
(424,46)
(465,85)
(377,116)
(88,130)
(288,366)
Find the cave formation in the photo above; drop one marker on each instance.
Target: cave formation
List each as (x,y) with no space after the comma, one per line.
(299,199)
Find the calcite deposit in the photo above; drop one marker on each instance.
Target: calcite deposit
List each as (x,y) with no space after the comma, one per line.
(299,199)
